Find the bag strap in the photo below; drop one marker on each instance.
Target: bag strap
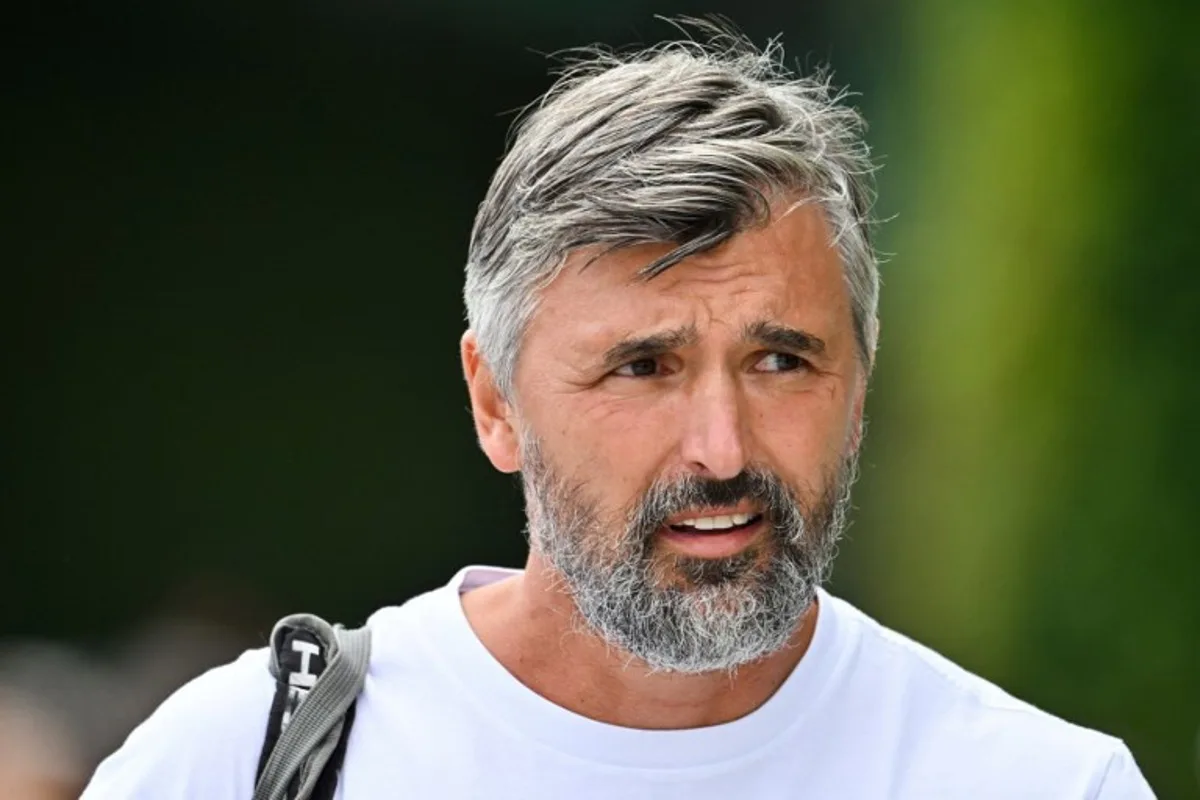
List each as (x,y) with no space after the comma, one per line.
(319,671)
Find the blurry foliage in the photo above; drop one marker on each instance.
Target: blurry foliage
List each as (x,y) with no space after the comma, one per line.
(233,313)
(1031,506)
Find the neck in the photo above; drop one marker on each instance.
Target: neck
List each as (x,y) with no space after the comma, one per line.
(529,624)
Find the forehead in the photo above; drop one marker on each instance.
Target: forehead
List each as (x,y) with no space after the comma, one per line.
(786,271)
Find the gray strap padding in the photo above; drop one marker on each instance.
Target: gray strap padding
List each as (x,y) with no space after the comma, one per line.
(304,746)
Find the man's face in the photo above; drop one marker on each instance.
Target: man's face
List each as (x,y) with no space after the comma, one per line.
(687,441)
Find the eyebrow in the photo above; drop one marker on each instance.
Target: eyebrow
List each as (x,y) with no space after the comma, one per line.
(767,334)
(655,344)
(770,334)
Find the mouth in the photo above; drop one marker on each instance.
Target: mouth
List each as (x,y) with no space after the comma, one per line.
(713,536)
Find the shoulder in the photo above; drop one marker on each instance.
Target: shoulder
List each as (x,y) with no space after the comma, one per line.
(203,741)
(400,634)
(957,723)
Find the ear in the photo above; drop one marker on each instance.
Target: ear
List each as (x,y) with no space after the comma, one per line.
(494,416)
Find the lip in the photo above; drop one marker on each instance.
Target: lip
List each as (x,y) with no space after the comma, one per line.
(712,545)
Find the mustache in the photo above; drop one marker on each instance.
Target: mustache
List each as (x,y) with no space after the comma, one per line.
(665,499)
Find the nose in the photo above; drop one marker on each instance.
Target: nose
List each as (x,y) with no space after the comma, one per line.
(714,435)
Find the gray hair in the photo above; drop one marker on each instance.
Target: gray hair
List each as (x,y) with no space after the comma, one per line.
(684,142)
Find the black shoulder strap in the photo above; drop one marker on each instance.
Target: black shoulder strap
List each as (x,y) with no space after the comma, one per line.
(302,648)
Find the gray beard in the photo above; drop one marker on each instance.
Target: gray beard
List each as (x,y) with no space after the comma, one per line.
(682,614)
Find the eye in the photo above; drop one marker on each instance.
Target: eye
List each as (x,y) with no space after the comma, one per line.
(639,368)
(781,362)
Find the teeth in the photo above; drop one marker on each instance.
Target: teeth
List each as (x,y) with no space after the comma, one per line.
(716,523)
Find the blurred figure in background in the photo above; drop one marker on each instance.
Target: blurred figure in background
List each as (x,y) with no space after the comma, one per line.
(62,708)
(37,756)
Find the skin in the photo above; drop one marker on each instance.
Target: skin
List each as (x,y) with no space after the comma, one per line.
(710,403)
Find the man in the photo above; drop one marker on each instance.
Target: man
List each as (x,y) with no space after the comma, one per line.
(672,301)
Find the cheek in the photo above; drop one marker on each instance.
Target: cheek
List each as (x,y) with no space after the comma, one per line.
(618,446)
(802,433)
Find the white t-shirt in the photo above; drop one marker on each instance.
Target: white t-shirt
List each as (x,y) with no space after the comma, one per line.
(866,713)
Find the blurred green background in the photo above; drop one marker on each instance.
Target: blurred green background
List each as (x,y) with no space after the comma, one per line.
(232,312)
